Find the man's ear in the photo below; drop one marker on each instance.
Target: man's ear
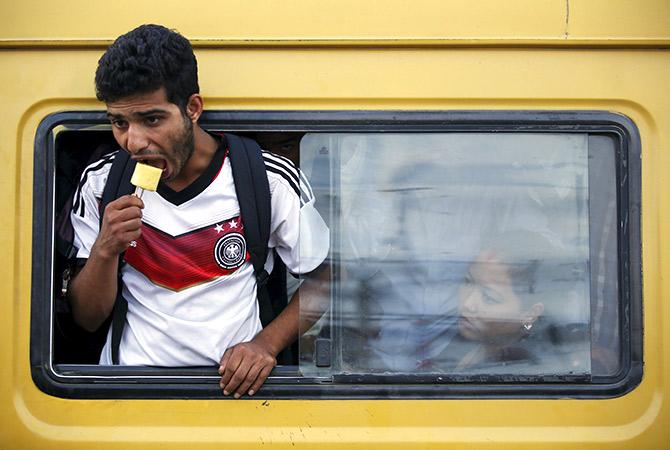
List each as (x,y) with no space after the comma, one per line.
(194,107)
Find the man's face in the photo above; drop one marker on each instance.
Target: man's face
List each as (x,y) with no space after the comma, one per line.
(153,130)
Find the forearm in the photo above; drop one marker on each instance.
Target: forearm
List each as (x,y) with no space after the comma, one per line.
(93,291)
(283,330)
(244,367)
(294,320)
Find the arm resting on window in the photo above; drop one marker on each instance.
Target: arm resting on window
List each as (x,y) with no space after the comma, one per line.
(244,367)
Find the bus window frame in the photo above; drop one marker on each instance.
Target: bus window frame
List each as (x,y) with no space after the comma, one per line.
(90,381)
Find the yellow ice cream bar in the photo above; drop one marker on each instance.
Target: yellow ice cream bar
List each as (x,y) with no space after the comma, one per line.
(146,177)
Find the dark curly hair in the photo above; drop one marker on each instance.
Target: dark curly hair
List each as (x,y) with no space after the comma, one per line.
(144,60)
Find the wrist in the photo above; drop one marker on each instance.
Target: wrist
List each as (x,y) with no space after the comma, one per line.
(102,254)
(266,342)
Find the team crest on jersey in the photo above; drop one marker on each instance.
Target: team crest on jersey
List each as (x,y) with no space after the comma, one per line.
(230,251)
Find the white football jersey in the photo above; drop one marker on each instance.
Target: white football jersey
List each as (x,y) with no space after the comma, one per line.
(188,279)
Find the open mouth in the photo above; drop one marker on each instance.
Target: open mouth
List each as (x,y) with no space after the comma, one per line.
(156,162)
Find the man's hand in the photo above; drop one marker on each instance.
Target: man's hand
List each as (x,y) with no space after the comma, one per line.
(121,224)
(244,368)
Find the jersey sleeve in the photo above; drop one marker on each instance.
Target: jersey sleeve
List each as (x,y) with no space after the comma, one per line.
(85,222)
(85,213)
(297,230)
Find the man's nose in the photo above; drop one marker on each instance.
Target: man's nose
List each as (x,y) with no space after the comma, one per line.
(136,139)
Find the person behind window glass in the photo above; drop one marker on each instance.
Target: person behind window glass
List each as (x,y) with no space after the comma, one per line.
(501,303)
(188,305)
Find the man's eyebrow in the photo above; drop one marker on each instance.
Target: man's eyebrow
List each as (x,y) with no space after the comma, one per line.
(150,112)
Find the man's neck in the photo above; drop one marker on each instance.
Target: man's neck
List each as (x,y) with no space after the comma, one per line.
(205,146)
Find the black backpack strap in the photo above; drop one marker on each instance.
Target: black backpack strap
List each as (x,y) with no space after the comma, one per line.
(253,194)
(118,185)
(118,180)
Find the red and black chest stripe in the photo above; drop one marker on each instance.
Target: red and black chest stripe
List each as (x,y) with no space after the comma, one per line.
(180,262)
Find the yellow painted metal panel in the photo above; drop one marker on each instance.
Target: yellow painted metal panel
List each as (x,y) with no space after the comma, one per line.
(296,19)
(626,81)
(36,82)
(613,20)
(343,22)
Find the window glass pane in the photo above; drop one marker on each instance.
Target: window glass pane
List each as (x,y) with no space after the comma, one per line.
(454,253)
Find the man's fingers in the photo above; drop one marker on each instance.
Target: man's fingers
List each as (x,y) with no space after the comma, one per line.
(224,360)
(236,379)
(122,224)
(124,209)
(232,360)
(129,226)
(244,368)
(253,373)
(123,202)
(120,221)
(260,379)
(126,214)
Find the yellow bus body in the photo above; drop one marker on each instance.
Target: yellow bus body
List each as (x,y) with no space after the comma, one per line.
(345,55)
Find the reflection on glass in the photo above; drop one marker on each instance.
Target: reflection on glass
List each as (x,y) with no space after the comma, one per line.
(460,253)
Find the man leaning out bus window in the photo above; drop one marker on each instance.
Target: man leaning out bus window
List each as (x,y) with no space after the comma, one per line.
(183,310)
